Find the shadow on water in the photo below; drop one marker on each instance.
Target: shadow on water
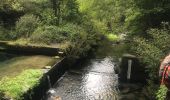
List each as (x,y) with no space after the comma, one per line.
(5,56)
(93,79)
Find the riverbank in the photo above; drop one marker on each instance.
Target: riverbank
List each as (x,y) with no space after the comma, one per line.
(20,65)
(40,83)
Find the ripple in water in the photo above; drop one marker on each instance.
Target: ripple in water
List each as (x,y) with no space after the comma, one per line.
(95,81)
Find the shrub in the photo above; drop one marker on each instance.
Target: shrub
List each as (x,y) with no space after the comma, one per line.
(150,55)
(160,37)
(151,50)
(14,88)
(26,25)
(2,35)
(161,93)
(78,40)
(49,34)
(48,17)
(54,34)
(5,34)
(81,41)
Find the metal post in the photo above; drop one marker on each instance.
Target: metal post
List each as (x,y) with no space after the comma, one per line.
(129,69)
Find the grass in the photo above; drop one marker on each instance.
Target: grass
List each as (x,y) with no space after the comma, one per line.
(14,88)
(12,65)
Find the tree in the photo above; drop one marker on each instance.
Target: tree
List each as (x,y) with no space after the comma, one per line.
(72,11)
(56,5)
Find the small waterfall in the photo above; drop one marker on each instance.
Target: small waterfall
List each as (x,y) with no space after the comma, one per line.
(49,81)
(129,69)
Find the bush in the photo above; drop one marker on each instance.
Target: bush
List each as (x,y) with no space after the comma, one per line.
(161,93)
(49,34)
(160,37)
(150,55)
(151,50)
(2,34)
(14,88)
(81,41)
(48,17)
(54,34)
(26,25)
(5,34)
(78,40)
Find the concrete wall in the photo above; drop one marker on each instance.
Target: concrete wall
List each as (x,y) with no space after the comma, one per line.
(137,73)
(38,92)
(28,49)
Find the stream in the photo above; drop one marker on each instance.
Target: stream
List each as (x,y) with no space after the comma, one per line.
(95,78)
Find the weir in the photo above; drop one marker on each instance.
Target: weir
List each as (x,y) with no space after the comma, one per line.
(131,70)
(49,79)
(96,79)
(89,79)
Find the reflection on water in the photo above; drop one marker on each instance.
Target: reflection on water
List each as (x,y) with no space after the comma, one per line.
(94,81)
(11,64)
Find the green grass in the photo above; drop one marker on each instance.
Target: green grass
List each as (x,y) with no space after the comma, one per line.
(14,88)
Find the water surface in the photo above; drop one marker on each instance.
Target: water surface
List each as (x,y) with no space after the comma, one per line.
(95,78)
(11,64)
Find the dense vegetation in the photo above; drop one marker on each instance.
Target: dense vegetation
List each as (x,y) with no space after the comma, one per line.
(79,24)
(146,25)
(45,23)
(48,22)
(15,88)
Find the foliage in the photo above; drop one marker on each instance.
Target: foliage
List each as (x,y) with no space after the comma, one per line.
(130,16)
(2,35)
(20,5)
(112,37)
(160,37)
(65,11)
(26,26)
(71,12)
(151,49)
(78,40)
(79,43)
(49,34)
(161,93)
(10,5)
(5,34)
(99,11)
(150,55)
(14,88)
(152,88)
(148,14)
(48,17)
(55,34)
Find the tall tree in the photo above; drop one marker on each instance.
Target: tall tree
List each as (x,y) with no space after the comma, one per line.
(56,5)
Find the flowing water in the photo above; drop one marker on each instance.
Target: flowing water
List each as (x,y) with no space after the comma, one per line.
(92,79)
